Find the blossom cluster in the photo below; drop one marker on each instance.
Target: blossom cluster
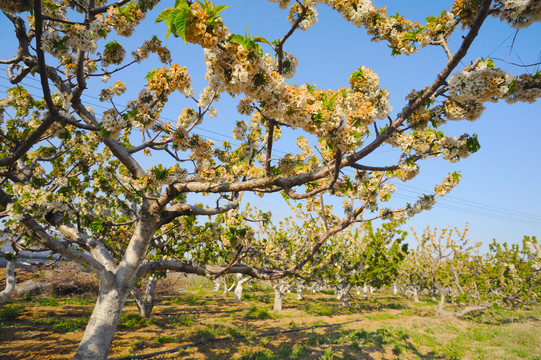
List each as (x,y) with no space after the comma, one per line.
(480,83)
(35,201)
(75,37)
(309,19)
(453,148)
(425,202)
(166,80)
(124,19)
(393,29)
(519,13)
(199,32)
(113,123)
(437,28)
(449,182)
(154,45)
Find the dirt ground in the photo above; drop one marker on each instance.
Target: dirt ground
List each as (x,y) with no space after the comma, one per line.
(383,327)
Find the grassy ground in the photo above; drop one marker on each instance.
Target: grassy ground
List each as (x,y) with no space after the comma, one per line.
(383,327)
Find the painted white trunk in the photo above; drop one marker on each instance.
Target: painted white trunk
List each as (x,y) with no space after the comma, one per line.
(440,311)
(101,328)
(365,291)
(299,292)
(343,294)
(10,282)
(239,288)
(279,290)
(415,294)
(217,285)
(146,304)
(358,290)
(395,289)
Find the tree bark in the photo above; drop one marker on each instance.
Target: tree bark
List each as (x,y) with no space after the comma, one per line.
(300,287)
(440,310)
(415,294)
(279,290)
(10,282)
(99,332)
(239,288)
(146,304)
(343,294)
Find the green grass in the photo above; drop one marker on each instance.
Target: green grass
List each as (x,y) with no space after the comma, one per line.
(133,320)
(49,301)
(10,313)
(165,339)
(322,309)
(257,312)
(183,320)
(69,325)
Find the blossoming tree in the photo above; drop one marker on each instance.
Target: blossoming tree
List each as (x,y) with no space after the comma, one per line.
(74,180)
(445,263)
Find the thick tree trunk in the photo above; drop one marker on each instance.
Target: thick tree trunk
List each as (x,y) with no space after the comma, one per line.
(343,294)
(279,290)
(10,282)
(146,304)
(100,330)
(300,287)
(217,285)
(415,294)
(239,288)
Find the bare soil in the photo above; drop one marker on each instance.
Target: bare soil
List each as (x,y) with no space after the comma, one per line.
(383,327)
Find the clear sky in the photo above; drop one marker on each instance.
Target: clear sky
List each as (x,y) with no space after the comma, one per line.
(499,194)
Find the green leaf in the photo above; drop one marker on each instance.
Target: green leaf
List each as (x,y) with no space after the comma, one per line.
(180,24)
(261,40)
(151,73)
(163,15)
(473,144)
(34,70)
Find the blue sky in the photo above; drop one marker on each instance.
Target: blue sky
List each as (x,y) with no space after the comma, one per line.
(499,194)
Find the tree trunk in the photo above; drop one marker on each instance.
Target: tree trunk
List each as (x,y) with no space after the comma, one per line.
(239,288)
(100,330)
(440,311)
(415,294)
(300,296)
(10,282)
(146,304)
(395,289)
(217,285)
(343,294)
(365,291)
(279,290)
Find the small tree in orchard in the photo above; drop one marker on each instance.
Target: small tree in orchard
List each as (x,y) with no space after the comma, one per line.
(362,257)
(445,263)
(75,181)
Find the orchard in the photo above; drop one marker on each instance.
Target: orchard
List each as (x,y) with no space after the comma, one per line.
(127,193)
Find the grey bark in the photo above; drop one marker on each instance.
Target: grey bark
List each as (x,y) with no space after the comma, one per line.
(99,332)
(10,282)
(415,294)
(146,304)
(279,290)
(239,288)
(343,294)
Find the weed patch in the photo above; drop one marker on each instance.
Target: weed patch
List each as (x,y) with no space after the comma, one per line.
(133,320)
(10,314)
(69,325)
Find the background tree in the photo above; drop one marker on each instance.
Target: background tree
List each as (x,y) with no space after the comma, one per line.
(76,181)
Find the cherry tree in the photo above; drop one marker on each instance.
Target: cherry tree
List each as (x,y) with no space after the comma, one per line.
(445,263)
(109,189)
